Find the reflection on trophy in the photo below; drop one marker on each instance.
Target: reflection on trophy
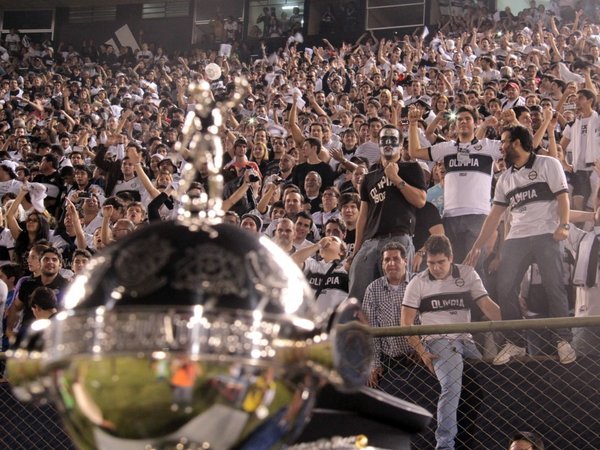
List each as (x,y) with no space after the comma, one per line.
(191,333)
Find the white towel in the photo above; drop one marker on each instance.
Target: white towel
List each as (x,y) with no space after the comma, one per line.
(37,192)
(592,149)
(583,258)
(567,76)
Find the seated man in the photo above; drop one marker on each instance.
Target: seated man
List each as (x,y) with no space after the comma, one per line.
(444,294)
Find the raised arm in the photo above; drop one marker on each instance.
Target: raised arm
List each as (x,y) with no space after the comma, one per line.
(263,204)
(237,195)
(11,214)
(299,256)
(136,160)
(541,132)
(552,145)
(293,122)
(413,136)
(72,213)
(105,232)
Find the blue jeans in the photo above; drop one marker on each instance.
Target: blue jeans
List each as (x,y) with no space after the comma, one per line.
(448,368)
(366,265)
(586,341)
(517,254)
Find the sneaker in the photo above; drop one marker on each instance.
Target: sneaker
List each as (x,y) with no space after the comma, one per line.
(566,354)
(508,352)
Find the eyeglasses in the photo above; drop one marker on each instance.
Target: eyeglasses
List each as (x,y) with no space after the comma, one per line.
(32,220)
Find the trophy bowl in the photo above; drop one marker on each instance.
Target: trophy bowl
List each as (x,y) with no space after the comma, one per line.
(186,336)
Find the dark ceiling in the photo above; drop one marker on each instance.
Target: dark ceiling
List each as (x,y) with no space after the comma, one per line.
(44,4)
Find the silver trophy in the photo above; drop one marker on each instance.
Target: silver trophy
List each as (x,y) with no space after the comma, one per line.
(191,334)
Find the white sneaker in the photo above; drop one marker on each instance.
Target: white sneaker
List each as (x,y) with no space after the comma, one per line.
(508,352)
(566,354)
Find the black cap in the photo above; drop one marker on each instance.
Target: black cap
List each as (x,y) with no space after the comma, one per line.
(533,438)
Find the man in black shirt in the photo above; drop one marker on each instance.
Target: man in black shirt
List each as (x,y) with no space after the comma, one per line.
(389,196)
(311,148)
(50,277)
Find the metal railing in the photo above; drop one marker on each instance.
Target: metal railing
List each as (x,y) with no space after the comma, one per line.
(534,392)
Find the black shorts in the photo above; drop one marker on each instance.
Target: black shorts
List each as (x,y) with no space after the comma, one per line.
(581,183)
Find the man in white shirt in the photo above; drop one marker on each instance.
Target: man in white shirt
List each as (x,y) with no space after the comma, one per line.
(582,138)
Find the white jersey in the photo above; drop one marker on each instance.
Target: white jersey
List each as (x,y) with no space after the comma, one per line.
(447,301)
(530,194)
(93,225)
(469,169)
(135,184)
(334,286)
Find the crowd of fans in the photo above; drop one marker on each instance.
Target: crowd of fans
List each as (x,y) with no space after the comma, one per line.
(87,138)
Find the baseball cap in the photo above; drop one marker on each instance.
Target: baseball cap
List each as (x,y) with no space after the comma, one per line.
(512,84)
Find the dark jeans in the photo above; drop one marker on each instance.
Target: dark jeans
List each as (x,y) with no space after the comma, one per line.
(516,256)
(462,232)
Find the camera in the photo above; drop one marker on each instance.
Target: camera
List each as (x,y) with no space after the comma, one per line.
(82,195)
(277,181)
(252,178)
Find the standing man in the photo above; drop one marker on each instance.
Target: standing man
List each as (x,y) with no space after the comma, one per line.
(535,190)
(582,139)
(444,294)
(469,165)
(310,150)
(389,197)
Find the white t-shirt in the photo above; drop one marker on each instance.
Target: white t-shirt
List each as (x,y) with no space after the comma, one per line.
(581,151)
(469,169)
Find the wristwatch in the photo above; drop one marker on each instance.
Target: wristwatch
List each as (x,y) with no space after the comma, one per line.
(401,184)
(566,226)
